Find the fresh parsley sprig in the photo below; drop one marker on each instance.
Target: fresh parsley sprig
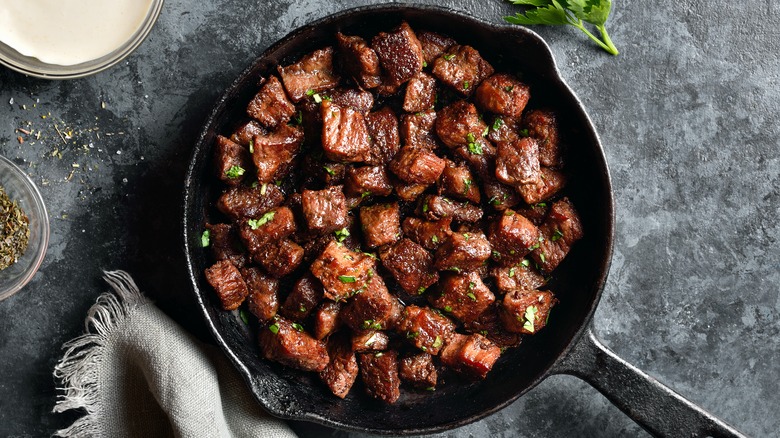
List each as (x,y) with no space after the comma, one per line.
(568,12)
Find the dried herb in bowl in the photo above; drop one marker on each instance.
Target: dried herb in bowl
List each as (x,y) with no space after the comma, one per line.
(14,231)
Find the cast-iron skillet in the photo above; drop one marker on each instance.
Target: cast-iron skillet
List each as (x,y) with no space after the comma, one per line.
(567,345)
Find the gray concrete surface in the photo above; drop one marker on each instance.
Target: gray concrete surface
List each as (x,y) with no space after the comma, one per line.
(688,114)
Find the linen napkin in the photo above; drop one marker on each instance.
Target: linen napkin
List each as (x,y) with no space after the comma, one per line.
(136,373)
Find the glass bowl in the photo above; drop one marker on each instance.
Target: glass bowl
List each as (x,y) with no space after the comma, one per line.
(20,188)
(35,67)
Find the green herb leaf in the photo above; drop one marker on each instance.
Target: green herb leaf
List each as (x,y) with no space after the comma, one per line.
(371,324)
(425,64)
(447,309)
(257,223)
(205,238)
(274,328)
(310,92)
(542,257)
(471,138)
(465,85)
(437,342)
(421,290)
(263,189)
(448,57)
(244,316)
(346,278)
(486,131)
(251,145)
(412,335)
(498,123)
(526,263)
(317,98)
(297,326)
(330,171)
(475,148)
(425,208)
(472,296)
(341,234)
(430,388)
(302,308)
(435,239)
(530,318)
(523,132)
(511,272)
(556,235)
(235,172)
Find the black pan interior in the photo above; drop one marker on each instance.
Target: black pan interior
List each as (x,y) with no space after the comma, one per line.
(577,282)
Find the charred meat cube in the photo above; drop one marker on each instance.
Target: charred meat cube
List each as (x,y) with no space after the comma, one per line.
(499,196)
(463,252)
(344,134)
(434,207)
(324,210)
(560,230)
(425,328)
(343,272)
(429,234)
(512,236)
(489,325)
(552,181)
(306,294)
(411,266)
(420,93)
(246,133)
(517,162)
(360,61)
(249,202)
(273,226)
(312,74)
(231,161)
(418,370)
(462,68)
(369,340)
(459,124)
(417,165)
(263,297)
(342,369)
(285,342)
(504,129)
(503,94)
(368,180)
(516,277)
(381,224)
(472,355)
(408,191)
(400,54)
(270,106)
(417,129)
(526,311)
(543,126)
(464,296)
(372,309)
(273,153)
(379,372)
(383,129)
(226,280)
(357,99)
(225,245)
(458,182)
(433,45)
(326,319)
(279,258)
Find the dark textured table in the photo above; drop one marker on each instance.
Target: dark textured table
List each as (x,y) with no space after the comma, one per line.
(688,114)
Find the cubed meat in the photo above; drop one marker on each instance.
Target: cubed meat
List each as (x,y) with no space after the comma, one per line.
(224,244)
(459,124)
(273,153)
(305,295)
(326,319)
(434,207)
(503,94)
(286,342)
(246,132)
(418,370)
(535,213)
(512,236)
(383,129)
(232,161)
(312,74)
(417,129)
(372,309)
(379,372)
(329,173)
(499,196)
(517,162)
(368,181)
(481,156)
(425,328)
(489,325)
(417,165)
(560,230)
(463,252)
(342,369)
(369,340)
(408,192)
(273,226)
(543,126)
(344,134)
(381,224)
(410,265)
(420,93)
(343,272)
(400,54)
(433,45)
(280,258)
(504,129)
(249,202)
(359,60)
(355,98)
(526,311)
(516,277)
(458,181)
(552,181)
(270,106)
(463,295)
(227,282)
(462,68)
(325,210)
(263,297)
(429,234)
(473,355)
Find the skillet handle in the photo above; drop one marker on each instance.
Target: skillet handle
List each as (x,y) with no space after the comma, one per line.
(655,407)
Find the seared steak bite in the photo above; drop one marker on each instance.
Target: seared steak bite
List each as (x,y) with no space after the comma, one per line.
(433,45)
(326,319)
(408,191)
(246,132)
(270,106)
(463,252)
(368,181)
(381,224)
(383,129)
(306,294)
(543,126)
(462,68)
(490,326)
(400,54)
(279,258)
(373,308)
(249,202)
(472,355)
(286,342)
(420,93)
(369,340)
(526,311)
(552,181)
(410,265)
(434,207)
(343,272)
(464,296)
(226,280)
(517,162)
(231,161)
(324,210)
(418,370)
(273,153)
(360,61)
(342,370)
(560,230)
(355,98)
(458,181)
(504,129)
(225,245)
(417,165)
(429,234)
(425,328)
(273,226)
(379,372)
(512,236)
(517,276)
(459,124)
(344,134)
(263,297)
(312,74)
(503,94)
(498,195)
(417,129)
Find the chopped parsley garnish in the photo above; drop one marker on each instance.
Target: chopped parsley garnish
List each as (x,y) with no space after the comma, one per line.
(251,145)
(346,278)
(486,131)
(205,238)
(330,171)
(526,263)
(244,316)
(447,309)
(472,285)
(421,290)
(274,328)
(509,88)
(467,182)
(302,308)
(235,172)
(556,235)
(257,223)
(523,132)
(435,239)
(254,184)
(511,272)
(297,326)
(425,64)
(430,388)
(533,247)
(540,205)
(498,123)
(412,335)
(455,269)
(425,208)
(542,257)
(378,354)
(371,324)
(475,148)
(437,342)
(496,254)
(310,92)
(530,318)
(466,85)
(298,120)
(341,234)
(472,296)
(448,57)
(470,138)
(317,98)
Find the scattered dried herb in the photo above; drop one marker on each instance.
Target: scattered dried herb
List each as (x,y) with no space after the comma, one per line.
(14,231)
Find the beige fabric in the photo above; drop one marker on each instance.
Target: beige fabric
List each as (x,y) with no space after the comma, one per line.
(138,374)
